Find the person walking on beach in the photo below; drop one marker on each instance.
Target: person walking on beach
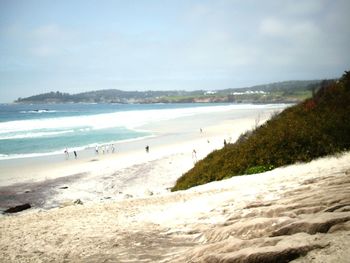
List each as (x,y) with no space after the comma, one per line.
(194,156)
(66,153)
(75,154)
(96,149)
(147,149)
(113,148)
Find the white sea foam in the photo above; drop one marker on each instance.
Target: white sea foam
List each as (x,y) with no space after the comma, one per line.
(28,155)
(70,150)
(127,119)
(34,135)
(38,111)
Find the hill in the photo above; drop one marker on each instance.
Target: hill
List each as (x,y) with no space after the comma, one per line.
(288,91)
(316,127)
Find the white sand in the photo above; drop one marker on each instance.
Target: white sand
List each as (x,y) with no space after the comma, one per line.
(231,219)
(170,137)
(129,215)
(130,171)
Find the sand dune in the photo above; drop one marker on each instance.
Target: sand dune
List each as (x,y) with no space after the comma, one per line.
(300,213)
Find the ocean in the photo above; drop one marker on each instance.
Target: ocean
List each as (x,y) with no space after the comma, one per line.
(47,129)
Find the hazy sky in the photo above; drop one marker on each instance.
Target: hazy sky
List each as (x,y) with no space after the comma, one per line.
(81,45)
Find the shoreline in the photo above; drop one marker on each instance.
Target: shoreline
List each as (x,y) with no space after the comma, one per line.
(133,126)
(107,177)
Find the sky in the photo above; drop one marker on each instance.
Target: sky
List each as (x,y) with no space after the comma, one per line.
(83,45)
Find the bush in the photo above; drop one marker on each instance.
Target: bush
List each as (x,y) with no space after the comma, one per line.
(316,127)
(259,169)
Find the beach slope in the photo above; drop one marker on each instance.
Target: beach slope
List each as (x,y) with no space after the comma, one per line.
(300,212)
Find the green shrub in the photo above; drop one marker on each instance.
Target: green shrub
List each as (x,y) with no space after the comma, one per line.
(259,169)
(316,127)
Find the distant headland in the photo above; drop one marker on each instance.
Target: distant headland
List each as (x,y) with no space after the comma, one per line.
(279,92)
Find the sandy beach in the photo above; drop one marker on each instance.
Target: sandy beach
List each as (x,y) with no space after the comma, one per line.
(48,181)
(299,212)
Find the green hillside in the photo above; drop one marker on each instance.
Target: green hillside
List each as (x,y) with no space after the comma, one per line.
(316,127)
(280,92)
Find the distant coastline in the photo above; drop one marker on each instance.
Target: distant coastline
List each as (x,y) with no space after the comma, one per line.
(280,92)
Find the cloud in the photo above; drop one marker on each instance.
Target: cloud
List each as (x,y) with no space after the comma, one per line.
(296,30)
(44,51)
(303,7)
(50,40)
(273,27)
(52,33)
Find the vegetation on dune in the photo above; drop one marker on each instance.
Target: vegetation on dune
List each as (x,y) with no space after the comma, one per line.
(316,127)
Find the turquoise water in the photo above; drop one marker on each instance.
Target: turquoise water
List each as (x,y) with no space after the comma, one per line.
(33,130)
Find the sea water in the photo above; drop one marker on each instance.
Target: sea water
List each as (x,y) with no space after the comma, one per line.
(34,130)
